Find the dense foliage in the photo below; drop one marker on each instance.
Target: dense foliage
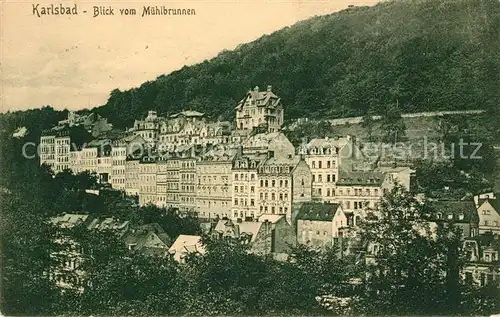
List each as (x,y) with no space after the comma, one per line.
(420,54)
(227,280)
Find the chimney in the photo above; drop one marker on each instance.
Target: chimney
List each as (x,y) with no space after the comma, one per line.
(269,87)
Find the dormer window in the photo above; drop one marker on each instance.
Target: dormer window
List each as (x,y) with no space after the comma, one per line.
(461,217)
(450,216)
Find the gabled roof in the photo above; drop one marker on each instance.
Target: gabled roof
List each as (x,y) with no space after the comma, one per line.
(69,220)
(237,229)
(187,244)
(495,203)
(317,211)
(139,236)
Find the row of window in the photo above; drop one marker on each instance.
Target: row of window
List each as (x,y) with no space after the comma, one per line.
(273,183)
(319,164)
(330,178)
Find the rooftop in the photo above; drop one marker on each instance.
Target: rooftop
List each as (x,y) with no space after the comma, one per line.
(360,178)
(317,211)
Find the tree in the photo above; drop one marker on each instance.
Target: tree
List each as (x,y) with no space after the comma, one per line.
(414,270)
(367,123)
(392,124)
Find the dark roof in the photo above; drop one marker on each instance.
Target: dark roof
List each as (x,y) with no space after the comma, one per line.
(487,240)
(462,211)
(317,211)
(360,178)
(139,235)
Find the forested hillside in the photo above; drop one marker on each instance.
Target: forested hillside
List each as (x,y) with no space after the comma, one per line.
(425,54)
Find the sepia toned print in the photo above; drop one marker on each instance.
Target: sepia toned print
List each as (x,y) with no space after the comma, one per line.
(250,158)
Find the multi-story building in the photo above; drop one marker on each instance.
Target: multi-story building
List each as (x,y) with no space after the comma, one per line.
(359,190)
(318,224)
(283,180)
(245,185)
(132,183)
(324,156)
(84,159)
(161,181)
(482,259)
(179,129)
(188,180)
(260,108)
(173,179)
(104,159)
(461,214)
(215,179)
(48,149)
(121,148)
(148,128)
(147,180)
(488,209)
(62,150)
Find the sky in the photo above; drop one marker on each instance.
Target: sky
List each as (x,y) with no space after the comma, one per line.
(75,61)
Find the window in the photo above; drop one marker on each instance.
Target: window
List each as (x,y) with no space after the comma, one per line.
(314,178)
(252,189)
(273,183)
(327,164)
(313,164)
(328,178)
(236,201)
(235,189)
(320,179)
(319,164)
(261,183)
(235,177)
(286,183)
(252,202)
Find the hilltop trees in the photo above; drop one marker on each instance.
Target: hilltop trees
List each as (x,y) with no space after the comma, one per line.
(415,53)
(392,124)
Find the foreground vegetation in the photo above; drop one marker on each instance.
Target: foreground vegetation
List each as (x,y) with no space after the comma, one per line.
(415,273)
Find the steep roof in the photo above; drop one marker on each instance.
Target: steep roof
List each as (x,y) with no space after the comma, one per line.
(187,244)
(140,235)
(317,211)
(495,203)
(236,229)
